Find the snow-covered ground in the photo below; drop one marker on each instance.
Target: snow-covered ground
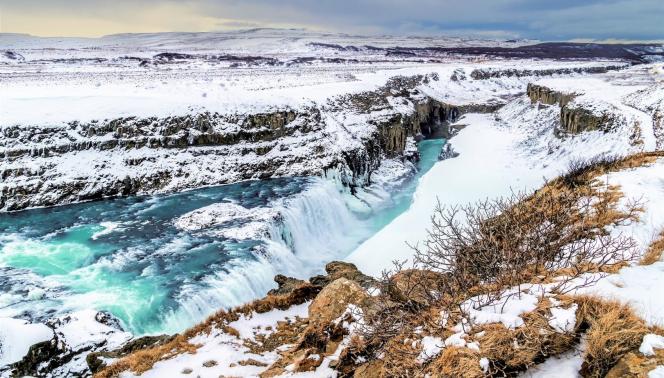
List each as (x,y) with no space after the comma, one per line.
(512,150)
(227,351)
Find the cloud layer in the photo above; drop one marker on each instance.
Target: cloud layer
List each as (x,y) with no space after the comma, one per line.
(547,20)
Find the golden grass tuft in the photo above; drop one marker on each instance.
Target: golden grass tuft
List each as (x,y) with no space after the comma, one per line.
(142,360)
(654,252)
(400,357)
(456,362)
(613,330)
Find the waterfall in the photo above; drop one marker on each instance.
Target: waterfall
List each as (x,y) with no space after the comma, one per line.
(322,223)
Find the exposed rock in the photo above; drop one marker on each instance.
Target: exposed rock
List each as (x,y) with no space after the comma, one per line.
(209,363)
(340,269)
(132,155)
(447,153)
(635,365)
(12,55)
(75,336)
(333,300)
(286,285)
(545,95)
(574,119)
(96,360)
(575,116)
(251,362)
(484,74)
(373,369)
(413,286)
(658,128)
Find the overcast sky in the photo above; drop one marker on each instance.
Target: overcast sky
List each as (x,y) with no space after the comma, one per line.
(539,19)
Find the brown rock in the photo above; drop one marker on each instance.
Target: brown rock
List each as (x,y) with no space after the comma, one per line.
(333,300)
(251,362)
(373,369)
(210,363)
(286,284)
(414,286)
(340,269)
(633,365)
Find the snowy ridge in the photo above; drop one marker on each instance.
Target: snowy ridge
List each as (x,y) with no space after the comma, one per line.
(516,149)
(160,132)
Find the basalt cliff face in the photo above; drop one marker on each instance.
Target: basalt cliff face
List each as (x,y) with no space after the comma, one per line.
(76,161)
(575,117)
(548,96)
(484,74)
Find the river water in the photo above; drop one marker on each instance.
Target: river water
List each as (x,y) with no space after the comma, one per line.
(143,259)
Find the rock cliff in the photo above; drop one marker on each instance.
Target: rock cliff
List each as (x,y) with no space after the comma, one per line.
(82,161)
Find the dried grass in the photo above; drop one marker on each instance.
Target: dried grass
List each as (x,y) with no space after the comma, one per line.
(456,362)
(512,350)
(143,360)
(654,252)
(613,330)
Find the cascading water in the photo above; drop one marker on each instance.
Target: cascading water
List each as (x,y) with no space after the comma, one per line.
(163,263)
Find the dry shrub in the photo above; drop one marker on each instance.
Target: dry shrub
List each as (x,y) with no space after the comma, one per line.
(400,357)
(612,331)
(654,252)
(581,172)
(495,245)
(484,250)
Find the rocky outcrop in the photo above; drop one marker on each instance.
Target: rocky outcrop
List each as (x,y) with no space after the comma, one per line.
(540,93)
(332,302)
(98,360)
(635,365)
(575,119)
(73,162)
(575,116)
(75,336)
(340,269)
(205,129)
(484,74)
(658,128)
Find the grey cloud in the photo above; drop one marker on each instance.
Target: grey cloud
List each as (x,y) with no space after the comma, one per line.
(548,20)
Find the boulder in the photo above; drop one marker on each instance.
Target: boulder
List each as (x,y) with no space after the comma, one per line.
(333,300)
(286,285)
(340,269)
(373,369)
(635,365)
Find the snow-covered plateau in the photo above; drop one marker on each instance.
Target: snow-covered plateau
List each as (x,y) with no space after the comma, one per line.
(149,180)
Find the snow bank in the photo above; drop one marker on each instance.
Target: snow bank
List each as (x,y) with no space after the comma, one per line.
(17,336)
(650,343)
(487,166)
(515,150)
(220,354)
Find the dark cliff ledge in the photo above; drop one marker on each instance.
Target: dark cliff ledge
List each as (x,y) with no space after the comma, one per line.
(574,117)
(577,119)
(484,74)
(132,155)
(548,96)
